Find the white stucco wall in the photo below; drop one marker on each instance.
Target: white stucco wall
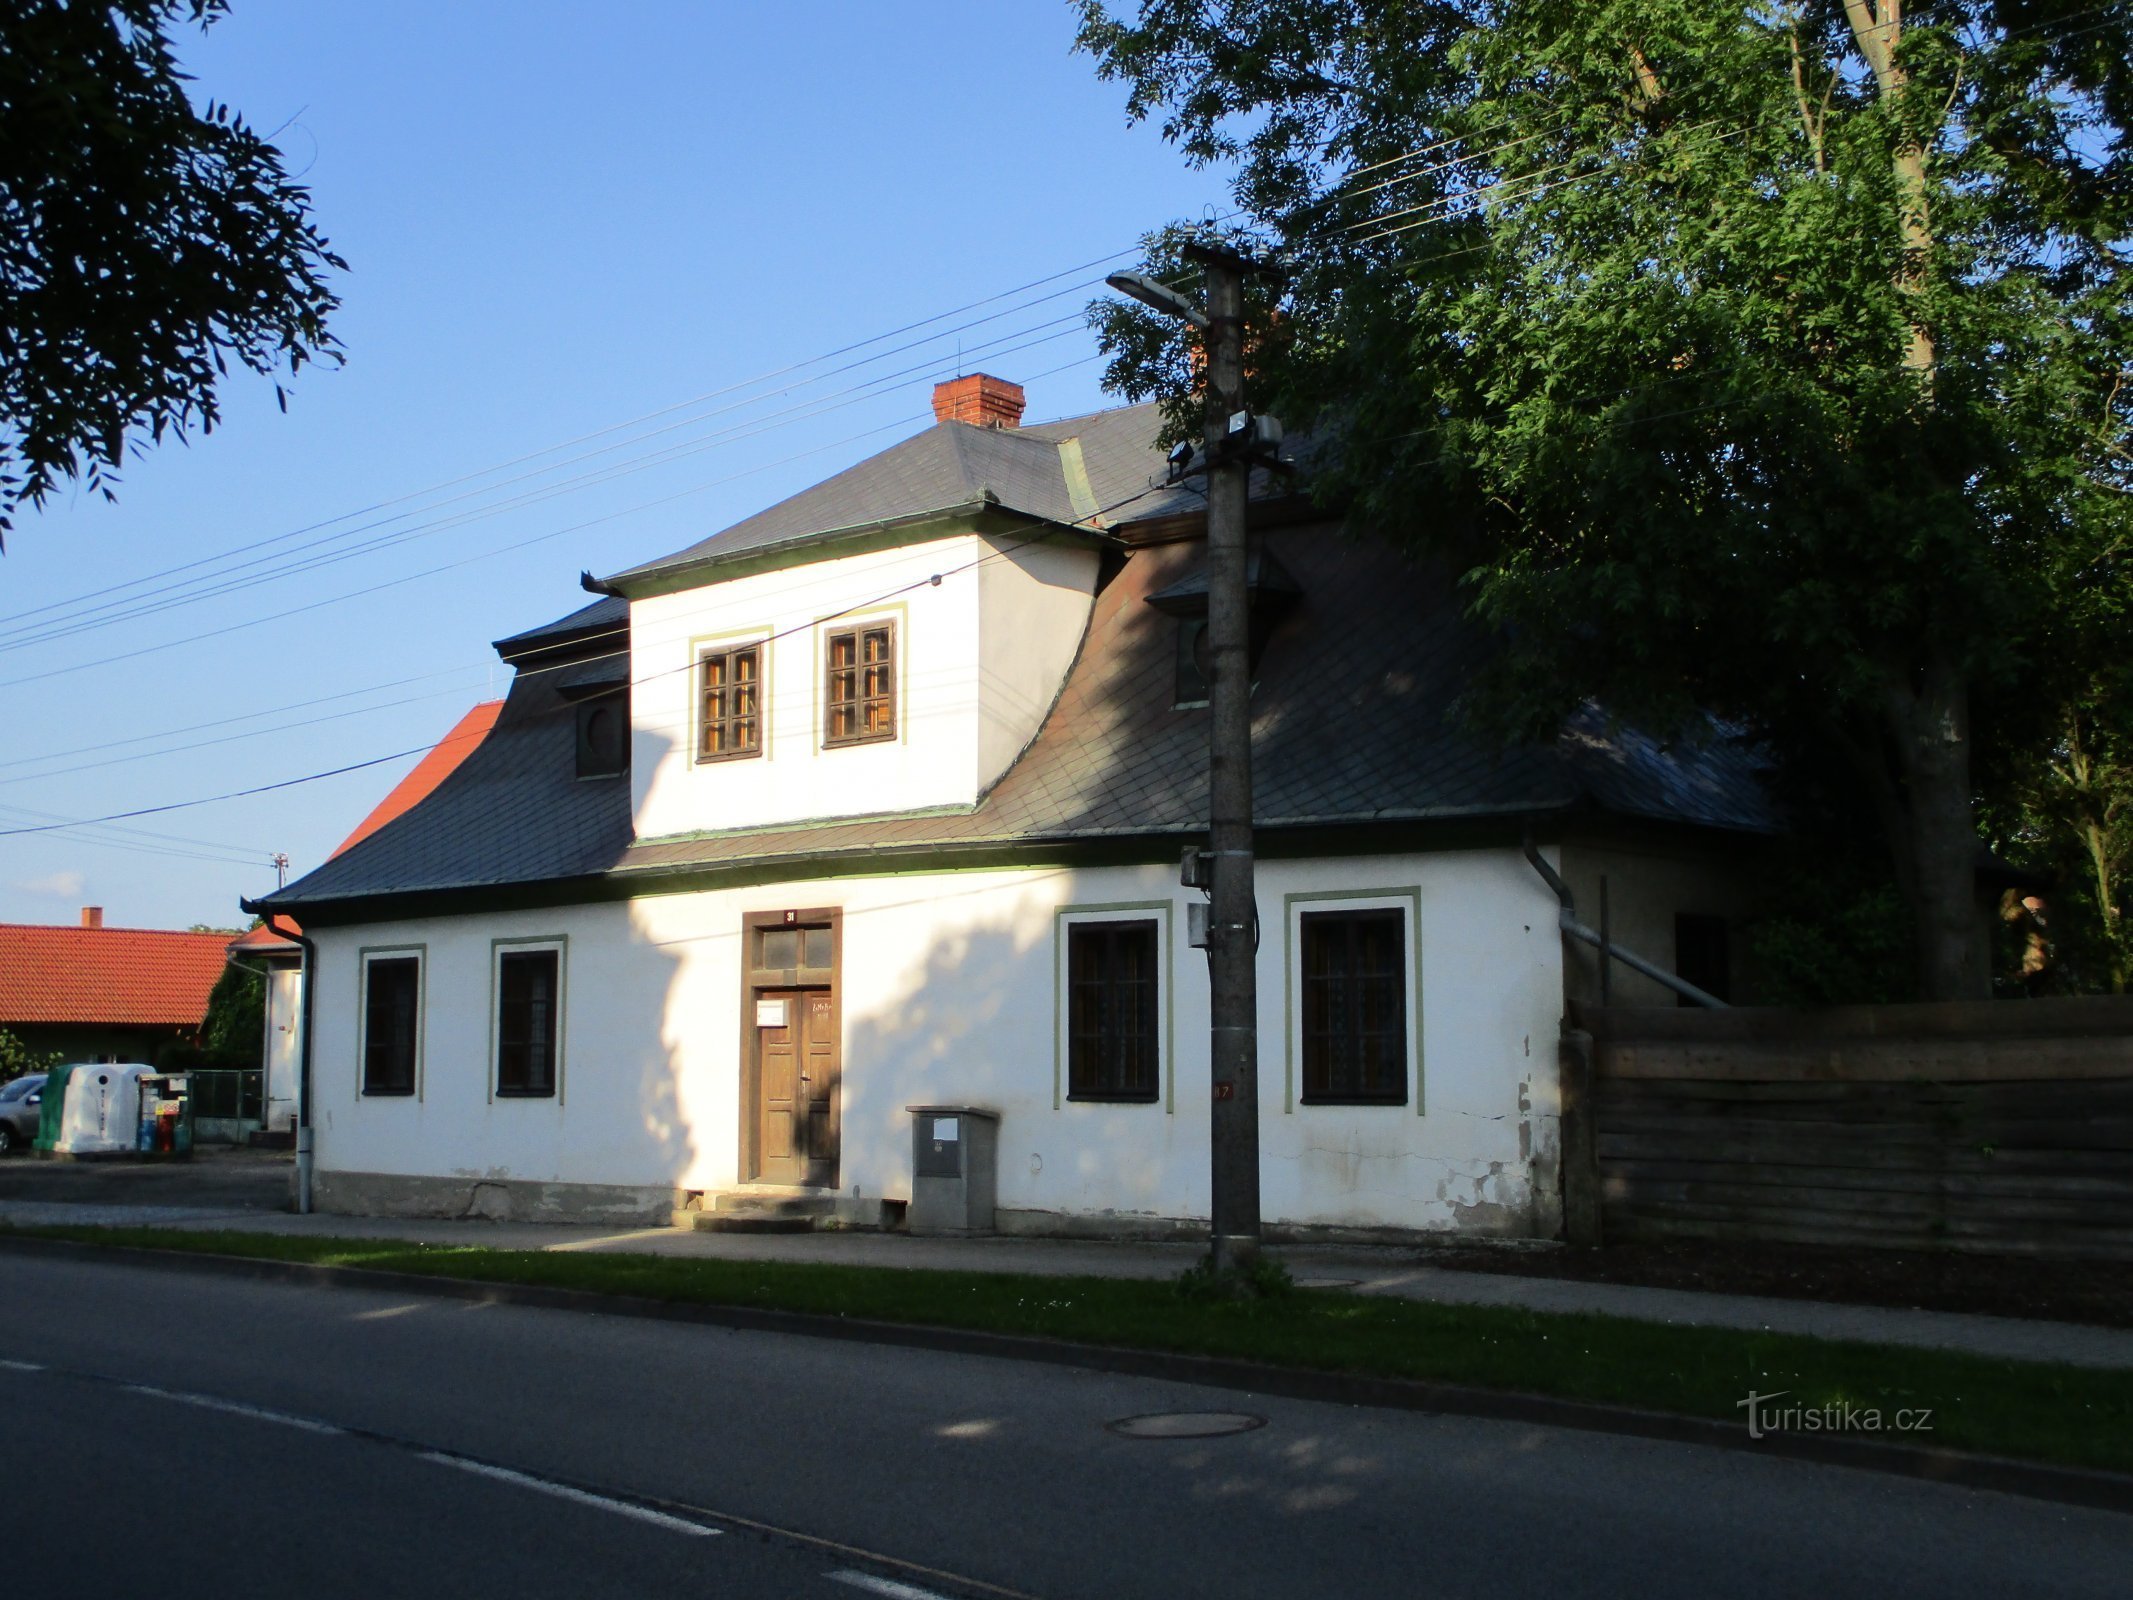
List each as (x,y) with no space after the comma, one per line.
(948,996)
(1033,603)
(1646,888)
(979,657)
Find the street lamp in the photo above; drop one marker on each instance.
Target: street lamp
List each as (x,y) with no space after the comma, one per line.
(1225,867)
(1158,296)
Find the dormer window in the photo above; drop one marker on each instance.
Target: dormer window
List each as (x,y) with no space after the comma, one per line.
(1269,591)
(603,737)
(860,706)
(732,703)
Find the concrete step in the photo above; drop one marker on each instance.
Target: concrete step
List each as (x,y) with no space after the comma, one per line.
(729,1222)
(769,1208)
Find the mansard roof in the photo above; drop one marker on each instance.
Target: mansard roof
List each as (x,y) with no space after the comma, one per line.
(1352,725)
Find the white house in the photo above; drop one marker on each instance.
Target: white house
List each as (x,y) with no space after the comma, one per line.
(876,800)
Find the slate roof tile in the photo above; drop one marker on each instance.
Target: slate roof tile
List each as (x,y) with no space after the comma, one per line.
(1353,717)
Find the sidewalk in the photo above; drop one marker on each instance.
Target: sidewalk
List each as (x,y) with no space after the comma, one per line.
(1359,1269)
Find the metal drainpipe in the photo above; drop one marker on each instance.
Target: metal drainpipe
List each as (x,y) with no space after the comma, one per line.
(303,1066)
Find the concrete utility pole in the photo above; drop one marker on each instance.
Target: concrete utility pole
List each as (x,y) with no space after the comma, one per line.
(1233,918)
(1232,438)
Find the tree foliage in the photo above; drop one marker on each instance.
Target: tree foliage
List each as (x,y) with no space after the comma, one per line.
(1761,359)
(145,243)
(18,1060)
(233,1034)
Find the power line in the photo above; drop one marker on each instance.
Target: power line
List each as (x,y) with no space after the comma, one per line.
(230,738)
(221,722)
(233,794)
(651,416)
(112,613)
(1041,529)
(449,566)
(621,632)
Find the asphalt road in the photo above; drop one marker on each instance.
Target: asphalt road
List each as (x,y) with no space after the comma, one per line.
(427,1448)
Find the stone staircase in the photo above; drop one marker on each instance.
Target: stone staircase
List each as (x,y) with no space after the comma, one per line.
(775,1208)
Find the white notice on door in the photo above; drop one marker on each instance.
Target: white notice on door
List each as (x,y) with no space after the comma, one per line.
(770,1013)
(944,1128)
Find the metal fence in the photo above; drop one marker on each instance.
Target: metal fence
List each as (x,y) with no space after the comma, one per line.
(238,1093)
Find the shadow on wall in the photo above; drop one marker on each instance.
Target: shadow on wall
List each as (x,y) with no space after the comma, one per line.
(641,995)
(620,1144)
(966,1031)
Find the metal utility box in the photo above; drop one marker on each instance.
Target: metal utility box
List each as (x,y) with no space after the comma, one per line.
(954,1169)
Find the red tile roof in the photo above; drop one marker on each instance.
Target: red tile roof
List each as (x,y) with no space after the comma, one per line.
(264,938)
(135,976)
(427,773)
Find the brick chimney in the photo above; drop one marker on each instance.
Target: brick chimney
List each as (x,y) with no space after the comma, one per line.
(981,400)
(92,916)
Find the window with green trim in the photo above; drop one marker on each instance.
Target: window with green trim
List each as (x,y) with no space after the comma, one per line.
(1112,1030)
(528,1009)
(1354,991)
(860,706)
(730,722)
(392,998)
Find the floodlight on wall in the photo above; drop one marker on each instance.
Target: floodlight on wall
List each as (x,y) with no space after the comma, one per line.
(1158,297)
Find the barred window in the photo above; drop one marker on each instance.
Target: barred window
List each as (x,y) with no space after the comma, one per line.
(1111,1011)
(861,704)
(392,995)
(731,724)
(1354,1008)
(528,1010)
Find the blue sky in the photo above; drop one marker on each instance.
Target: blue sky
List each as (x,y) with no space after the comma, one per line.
(558,218)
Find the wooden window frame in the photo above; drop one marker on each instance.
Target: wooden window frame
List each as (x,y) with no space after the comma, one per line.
(705,721)
(860,700)
(1315,923)
(1078,1068)
(366,959)
(501,951)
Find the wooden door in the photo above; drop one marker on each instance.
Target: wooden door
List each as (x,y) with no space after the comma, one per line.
(796,1100)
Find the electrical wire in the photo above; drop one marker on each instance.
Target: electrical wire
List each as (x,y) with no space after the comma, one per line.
(1042,529)
(638,421)
(113,613)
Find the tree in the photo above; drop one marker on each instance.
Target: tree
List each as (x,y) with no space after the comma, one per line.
(18,1060)
(1765,360)
(233,1033)
(144,244)
(2067,812)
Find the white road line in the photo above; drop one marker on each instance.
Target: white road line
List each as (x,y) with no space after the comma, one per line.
(563,1491)
(883,1586)
(21,1366)
(234,1408)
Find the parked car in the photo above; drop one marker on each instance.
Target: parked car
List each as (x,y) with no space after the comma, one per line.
(21,1104)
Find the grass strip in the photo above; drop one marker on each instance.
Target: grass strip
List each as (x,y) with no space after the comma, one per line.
(2033,1410)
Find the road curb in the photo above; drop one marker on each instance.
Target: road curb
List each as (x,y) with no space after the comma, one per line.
(2067,1485)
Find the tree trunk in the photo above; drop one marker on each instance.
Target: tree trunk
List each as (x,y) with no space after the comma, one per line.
(1927,715)
(1877,26)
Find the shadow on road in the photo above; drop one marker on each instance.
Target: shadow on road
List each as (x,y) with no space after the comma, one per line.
(212,1179)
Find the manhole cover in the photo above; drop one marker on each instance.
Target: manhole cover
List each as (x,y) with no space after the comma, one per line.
(1185,1424)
